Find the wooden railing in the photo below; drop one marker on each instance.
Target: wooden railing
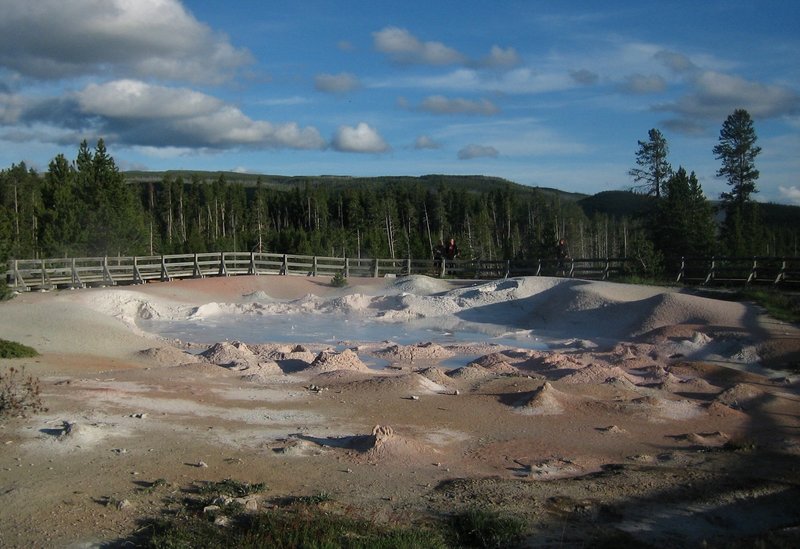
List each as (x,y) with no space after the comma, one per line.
(45,274)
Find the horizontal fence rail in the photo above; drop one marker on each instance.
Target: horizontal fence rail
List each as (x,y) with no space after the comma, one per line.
(46,274)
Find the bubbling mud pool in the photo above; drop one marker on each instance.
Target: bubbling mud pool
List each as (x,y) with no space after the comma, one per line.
(334,330)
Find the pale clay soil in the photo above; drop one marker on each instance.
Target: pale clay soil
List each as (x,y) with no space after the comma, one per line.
(650,414)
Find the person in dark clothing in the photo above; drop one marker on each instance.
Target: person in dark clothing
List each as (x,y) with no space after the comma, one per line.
(562,256)
(451,250)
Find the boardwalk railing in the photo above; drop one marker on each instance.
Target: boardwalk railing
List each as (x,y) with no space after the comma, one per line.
(45,274)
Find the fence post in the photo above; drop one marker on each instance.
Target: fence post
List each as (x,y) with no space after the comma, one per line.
(753,272)
(682,272)
(375,272)
(710,275)
(314,266)
(347,267)
(285,266)
(107,278)
(606,269)
(781,274)
(137,275)
(76,280)
(164,272)
(252,269)
(223,271)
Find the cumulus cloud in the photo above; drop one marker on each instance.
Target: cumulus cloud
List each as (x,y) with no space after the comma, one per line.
(403,47)
(52,39)
(132,112)
(476,151)
(500,58)
(715,95)
(790,194)
(425,142)
(439,104)
(336,83)
(361,139)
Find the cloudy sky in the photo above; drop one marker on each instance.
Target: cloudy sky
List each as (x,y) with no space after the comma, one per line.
(542,93)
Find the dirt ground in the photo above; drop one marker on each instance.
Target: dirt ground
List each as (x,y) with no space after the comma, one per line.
(584,441)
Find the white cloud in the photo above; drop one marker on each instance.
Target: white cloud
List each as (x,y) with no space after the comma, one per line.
(136,113)
(361,139)
(715,95)
(522,80)
(500,58)
(136,99)
(439,104)
(403,47)
(425,142)
(790,194)
(336,83)
(51,39)
(477,151)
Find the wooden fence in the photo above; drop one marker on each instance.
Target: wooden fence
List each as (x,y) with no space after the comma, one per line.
(46,274)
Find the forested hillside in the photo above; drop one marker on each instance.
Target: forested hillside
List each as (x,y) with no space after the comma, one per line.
(88,207)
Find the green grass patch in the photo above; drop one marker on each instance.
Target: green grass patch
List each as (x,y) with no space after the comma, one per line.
(481,528)
(779,305)
(12,349)
(232,488)
(312,522)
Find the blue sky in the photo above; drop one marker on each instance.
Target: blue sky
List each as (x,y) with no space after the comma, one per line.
(541,93)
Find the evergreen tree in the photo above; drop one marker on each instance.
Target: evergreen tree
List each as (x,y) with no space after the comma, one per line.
(684,219)
(654,170)
(737,151)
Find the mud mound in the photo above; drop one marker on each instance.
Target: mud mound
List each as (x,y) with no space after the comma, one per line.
(740,397)
(262,372)
(235,354)
(329,361)
(384,443)
(596,373)
(409,353)
(656,409)
(545,400)
(706,440)
(472,372)
(165,356)
(436,375)
(293,357)
(403,384)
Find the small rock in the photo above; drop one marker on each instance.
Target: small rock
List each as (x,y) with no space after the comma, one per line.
(201,464)
(211,509)
(414,397)
(124,504)
(222,520)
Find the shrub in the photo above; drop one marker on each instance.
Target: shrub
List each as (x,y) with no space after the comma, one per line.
(19,394)
(12,349)
(480,528)
(338,280)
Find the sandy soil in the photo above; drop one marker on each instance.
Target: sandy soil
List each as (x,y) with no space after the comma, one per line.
(652,412)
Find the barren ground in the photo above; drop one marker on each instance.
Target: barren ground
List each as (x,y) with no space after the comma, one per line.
(649,415)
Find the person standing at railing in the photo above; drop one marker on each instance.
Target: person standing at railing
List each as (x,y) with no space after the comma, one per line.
(562,256)
(451,250)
